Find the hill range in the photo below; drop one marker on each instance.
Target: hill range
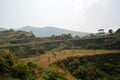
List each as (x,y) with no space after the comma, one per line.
(48,31)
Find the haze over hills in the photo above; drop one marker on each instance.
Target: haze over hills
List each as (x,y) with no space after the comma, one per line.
(2,29)
(48,31)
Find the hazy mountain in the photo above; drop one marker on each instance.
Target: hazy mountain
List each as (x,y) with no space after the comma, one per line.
(2,29)
(48,31)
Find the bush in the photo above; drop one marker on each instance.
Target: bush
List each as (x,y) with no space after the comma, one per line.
(7,59)
(21,71)
(98,67)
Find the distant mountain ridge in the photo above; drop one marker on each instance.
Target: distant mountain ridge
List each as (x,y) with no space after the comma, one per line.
(48,31)
(2,29)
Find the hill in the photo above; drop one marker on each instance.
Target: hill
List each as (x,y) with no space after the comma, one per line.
(2,29)
(11,34)
(82,64)
(48,31)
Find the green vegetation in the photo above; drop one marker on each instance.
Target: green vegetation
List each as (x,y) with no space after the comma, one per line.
(98,67)
(18,45)
(61,37)
(13,69)
(37,46)
(11,34)
(15,37)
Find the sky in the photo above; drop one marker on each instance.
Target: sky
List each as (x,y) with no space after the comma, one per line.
(76,15)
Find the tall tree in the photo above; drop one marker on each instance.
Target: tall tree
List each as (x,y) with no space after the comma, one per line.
(110,31)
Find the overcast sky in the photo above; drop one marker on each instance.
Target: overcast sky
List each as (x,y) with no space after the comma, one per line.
(77,15)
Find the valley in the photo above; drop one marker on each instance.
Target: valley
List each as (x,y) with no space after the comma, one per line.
(59,39)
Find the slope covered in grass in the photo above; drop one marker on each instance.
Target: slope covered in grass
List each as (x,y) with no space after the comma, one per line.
(11,34)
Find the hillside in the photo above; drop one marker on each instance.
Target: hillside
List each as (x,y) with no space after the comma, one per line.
(48,31)
(64,54)
(70,62)
(11,34)
(24,57)
(96,67)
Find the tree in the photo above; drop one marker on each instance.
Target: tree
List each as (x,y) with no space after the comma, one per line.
(11,30)
(67,36)
(52,37)
(110,31)
(21,71)
(118,31)
(91,35)
(7,60)
(101,32)
(77,37)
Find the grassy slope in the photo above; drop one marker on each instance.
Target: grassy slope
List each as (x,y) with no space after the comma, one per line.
(49,57)
(6,35)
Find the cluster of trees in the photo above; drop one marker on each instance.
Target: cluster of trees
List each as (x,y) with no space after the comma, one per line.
(26,50)
(116,32)
(98,67)
(61,37)
(13,69)
(102,33)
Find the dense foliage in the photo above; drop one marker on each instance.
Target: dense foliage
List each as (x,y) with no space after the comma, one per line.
(38,48)
(98,67)
(13,69)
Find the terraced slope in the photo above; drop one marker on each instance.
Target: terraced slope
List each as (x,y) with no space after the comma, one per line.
(51,57)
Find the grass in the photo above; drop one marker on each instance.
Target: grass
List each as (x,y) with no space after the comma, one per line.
(50,57)
(53,56)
